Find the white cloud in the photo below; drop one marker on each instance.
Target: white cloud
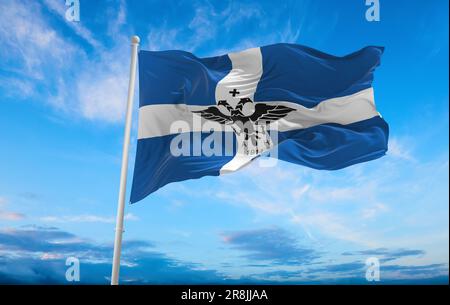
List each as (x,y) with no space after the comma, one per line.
(333,194)
(86,218)
(265,205)
(238,12)
(373,211)
(118,20)
(103,86)
(397,149)
(28,43)
(100,87)
(17,87)
(333,225)
(297,193)
(206,25)
(93,87)
(164,38)
(200,30)
(51,256)
(59,8)
(366,204)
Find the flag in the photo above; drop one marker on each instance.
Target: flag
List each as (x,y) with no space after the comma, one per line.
(210,116)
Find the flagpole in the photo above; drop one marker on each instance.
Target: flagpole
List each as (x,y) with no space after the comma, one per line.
(123,172)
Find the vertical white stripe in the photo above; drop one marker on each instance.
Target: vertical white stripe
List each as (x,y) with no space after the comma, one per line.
(244,77)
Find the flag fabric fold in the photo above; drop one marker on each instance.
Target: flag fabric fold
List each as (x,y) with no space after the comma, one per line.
(210,116)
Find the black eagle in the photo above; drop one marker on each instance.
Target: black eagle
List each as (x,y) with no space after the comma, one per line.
(264,113)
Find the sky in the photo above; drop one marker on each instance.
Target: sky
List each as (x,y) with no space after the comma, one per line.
(63,88)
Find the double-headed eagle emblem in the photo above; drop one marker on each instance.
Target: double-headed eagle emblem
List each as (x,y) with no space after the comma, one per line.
(264,113)
(250,126)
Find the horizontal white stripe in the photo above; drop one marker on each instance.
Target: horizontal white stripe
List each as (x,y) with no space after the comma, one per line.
(157,120)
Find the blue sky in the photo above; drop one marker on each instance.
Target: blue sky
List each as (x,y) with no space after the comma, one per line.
(62,97)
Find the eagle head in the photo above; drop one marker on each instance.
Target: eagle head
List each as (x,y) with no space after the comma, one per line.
(246,106)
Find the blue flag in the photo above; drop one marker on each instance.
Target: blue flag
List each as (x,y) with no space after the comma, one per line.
(210,116)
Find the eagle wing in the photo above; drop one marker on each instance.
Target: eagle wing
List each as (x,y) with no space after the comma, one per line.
(214,114)
(269,113)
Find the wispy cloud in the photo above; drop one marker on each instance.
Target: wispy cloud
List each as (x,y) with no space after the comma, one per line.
(207,24)
(117,20)
(38,55)
(86,218)
(29,44)
(59,8)
(352,205)
(385,254)
(397,149)
(102,88)
(374,210)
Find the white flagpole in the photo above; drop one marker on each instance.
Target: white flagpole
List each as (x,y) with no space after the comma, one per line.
(123,172)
